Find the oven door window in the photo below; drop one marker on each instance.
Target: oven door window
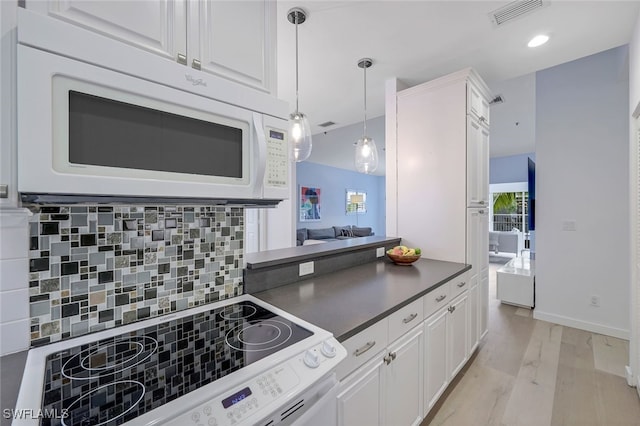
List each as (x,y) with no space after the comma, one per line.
(105,132)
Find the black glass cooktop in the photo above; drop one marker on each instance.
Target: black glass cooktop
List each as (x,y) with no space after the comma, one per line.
(112,381)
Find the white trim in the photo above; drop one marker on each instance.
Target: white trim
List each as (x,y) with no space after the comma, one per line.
(582,325)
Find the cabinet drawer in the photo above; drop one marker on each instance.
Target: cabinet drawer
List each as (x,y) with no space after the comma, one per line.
(458,285)
(436,299)
(405,319)
(363,346)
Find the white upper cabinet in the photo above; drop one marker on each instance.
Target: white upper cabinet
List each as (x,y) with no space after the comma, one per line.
(231,39)
(477,164)
(158,26)
(235,40)
(477,103)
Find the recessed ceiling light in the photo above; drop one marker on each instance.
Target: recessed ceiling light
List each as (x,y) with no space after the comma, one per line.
(538,40)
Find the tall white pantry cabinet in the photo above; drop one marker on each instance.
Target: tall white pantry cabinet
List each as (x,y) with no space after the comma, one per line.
(437,141)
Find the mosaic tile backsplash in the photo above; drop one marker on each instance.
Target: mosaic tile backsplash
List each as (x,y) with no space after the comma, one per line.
(97,267)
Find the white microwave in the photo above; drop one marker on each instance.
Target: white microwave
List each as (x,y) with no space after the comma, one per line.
(98,119)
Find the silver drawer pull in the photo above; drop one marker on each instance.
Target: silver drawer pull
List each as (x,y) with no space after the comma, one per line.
(441,298)
(365,348)
(461,284)
(182,59)
(410,318)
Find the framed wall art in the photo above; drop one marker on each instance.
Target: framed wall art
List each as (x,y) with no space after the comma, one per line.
(310,204)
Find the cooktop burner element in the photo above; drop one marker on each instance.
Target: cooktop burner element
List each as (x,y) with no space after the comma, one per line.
(255,336)
(109,357)
(117,379)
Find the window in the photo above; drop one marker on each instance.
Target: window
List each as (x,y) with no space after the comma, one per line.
(356,202)
(510,210)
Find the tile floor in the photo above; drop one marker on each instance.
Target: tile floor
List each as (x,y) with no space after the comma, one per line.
(530,372)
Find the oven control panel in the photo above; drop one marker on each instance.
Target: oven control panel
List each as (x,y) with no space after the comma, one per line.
(231,408)
(260,396)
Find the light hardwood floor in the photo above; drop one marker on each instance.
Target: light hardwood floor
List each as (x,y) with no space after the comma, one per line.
(530,372)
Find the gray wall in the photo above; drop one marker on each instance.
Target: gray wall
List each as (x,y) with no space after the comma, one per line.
(582,176)
(512,168)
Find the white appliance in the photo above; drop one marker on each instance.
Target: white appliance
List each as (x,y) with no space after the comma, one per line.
(236,362)
(99,118)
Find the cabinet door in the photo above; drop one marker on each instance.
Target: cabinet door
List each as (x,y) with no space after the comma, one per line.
(436,348)
(478,106)
(157,26)
(474,308)
(482,167)
(482,237)
(403,380)
(477,164)
(483,294)
(360,396)
(235,40)
(458,334)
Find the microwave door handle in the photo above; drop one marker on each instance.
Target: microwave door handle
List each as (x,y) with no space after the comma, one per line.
(262,155)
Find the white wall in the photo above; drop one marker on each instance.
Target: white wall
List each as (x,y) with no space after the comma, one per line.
(582,175)
(513,122)
(634,100)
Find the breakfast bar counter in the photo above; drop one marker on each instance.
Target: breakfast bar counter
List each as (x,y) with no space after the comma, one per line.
(348,301)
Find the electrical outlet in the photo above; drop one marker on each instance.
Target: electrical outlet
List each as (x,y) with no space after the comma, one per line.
(595,300)
(380,252)
(306,268)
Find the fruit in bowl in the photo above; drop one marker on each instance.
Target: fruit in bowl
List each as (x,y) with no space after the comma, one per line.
(403,255)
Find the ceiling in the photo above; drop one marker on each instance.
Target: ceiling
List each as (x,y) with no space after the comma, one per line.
(417,41)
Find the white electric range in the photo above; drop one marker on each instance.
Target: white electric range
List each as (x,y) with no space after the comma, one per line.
(235,362)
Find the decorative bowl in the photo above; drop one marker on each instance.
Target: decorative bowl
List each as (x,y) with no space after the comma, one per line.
(403,260)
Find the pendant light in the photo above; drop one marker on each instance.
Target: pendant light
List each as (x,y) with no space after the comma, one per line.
(366,151)
(299,130)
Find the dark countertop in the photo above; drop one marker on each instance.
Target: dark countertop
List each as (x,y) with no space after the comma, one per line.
(11,369)
(348,301)
(265,259)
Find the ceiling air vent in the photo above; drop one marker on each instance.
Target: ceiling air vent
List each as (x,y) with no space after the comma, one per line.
(326,124)
(514,10)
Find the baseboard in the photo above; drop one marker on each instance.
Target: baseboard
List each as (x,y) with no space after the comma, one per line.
(582,325)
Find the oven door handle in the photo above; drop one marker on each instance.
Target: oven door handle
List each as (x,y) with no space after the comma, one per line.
(261,141)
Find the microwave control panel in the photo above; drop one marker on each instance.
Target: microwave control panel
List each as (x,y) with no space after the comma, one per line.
(277,169)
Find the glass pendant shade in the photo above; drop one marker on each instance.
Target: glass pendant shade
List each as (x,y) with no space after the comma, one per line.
(299,129)
(300,136)
(366,155)
(366,160)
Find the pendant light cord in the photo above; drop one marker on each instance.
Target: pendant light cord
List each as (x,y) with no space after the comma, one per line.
(297,17)
(365,100)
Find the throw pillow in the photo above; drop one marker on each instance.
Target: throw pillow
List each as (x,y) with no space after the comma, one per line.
(361,232)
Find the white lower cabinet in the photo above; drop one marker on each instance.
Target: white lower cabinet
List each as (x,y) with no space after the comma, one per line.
(446,347)
(483,305)
(474,327)
(387,390)
(404,380)
(436,375)
(457,333)
(360,395)
(398,368)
